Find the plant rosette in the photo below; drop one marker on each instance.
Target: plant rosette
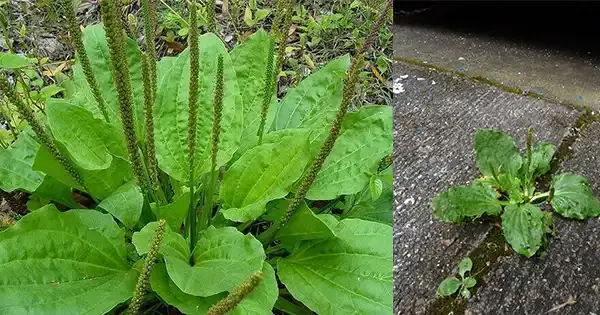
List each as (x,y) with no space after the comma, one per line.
(508,189)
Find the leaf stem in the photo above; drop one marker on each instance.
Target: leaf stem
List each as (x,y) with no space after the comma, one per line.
(540,196)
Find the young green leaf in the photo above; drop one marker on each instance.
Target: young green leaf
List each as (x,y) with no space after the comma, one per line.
(248,17)
(69,280)
(496,153)
(466,201)
(523,228)
(223,258)
(469,282)
(261,14)
(101,184)
(125,204)
(379,210)
(262,174)
(448,287)
(465,293)
(259,302)
(573,197)
(348,274)
(375,187)
(507,183)
(366,137)
(314,102)
(541,157)
(465,266)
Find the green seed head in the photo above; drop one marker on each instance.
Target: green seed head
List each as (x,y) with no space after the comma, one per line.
(236,295)
(116,44)
(76,36)
(144,278)
(217,112)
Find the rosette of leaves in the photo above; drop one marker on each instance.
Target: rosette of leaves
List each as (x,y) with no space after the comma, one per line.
(452,285)
(508,188)
(334,255)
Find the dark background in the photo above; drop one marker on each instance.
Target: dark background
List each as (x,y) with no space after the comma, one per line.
(572,25)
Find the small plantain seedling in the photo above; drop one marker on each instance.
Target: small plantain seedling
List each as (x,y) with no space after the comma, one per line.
(508,189)
(451,285)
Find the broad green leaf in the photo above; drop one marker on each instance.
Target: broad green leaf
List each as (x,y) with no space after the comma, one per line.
(171,111)
(249,61)
(523,228)
(541,156)
(46,163)
(91,142)
(304,225)
(103,183)
(100,183)
(259,302)
(573,197)
(71,262)
(366,137)
(223,258)
(94,40)
(448,287)
(262,174)
(459,202)
(16,164)
(12,61)
(469,282)
(347,274)
(465,266)
(496,153)
(315,101)
(176,212)
(163,67)
(125,204)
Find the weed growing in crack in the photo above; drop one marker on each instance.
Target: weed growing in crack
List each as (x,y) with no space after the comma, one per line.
(508,188)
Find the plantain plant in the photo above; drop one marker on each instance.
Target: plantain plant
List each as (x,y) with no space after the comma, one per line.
(508,188)
(187,182)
